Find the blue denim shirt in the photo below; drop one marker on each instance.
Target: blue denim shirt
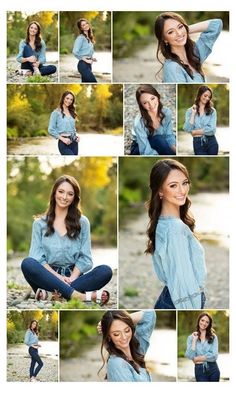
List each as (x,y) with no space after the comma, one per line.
(179,262)
(118,369)
(83,47)
(60,250)
(59,124)
(174,72)
(30,338)
(40,55)
(205,122)
(140,133)
(203,348)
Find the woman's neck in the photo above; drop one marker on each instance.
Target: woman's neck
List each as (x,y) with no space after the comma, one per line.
(170,210)
(202,334)
(181,53)
(60,213)
(65,109)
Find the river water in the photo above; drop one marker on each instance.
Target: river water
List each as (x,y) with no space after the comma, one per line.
(48,348)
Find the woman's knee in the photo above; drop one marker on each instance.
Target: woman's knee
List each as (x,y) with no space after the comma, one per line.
(27,264)
(106,271)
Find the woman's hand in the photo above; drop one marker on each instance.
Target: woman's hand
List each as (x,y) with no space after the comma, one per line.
(195,336)
(31,59)
(66,141)
(87,60)
(94,59)
(99,327)
(77,138)
(194,109)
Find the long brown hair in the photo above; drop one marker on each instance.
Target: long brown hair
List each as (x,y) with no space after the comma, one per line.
(210,332)
(71,108)
(142,89)
(158,175)
(36,329)
(38,38)
(193,58)
(90,36)
(209,105)
(72,220)
(107,343)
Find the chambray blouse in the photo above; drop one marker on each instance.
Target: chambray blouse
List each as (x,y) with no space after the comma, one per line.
(174,72)
(203,348)
(205,122)
(61,251)
(140,133)
(59,124)
(31,338)
(118,369)
(179,262)
(40,55)
(83,47)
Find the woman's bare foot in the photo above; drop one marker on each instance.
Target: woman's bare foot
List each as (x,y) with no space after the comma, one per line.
(100,297)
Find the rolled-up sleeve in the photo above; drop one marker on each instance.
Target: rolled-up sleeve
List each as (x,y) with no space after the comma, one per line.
(190,353)
(210,127)
(212,354)
(42,53)
(188,127)
(52,127)
(36,249)
(83,259)
(169,134)
(77,47)
(207,39)
(20,53)
(144,329)
(142,139)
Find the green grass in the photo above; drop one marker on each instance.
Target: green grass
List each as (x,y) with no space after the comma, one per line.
(130,292)
(75,304)
(38,79)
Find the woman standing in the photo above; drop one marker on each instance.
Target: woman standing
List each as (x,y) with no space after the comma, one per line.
(200,121)
(184,58)
(31,339)
(152,132)
(178,257)
(84,50)
(62,125)
(60,251)
(32,52)
(202,349)
(126,338)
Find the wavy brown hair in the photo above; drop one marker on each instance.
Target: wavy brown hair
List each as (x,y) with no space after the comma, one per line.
(107,343)
(72,220)
(209,106)
(210,332)
(90,36)
(38,38)
(142,89)
(71,108)
(36,329)
(193,58)
(158,175)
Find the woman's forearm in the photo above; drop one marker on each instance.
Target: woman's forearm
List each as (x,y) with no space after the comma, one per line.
(198,27)
(48,267)
(136,317)
(198,132)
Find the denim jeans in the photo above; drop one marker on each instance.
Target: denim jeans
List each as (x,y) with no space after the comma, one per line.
(207,372)
(85,71)
(68,150)
(35,358)
(44,70)
(39,277)
(164,301)
(157,142)
(205,146)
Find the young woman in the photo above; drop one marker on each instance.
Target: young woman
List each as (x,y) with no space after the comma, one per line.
(202,349)
(31,339)
(32,52)
(178,257)
(84,50)
(184,58)
(62,125)
(152,132)
(200,121)
(126,339)
(60,251)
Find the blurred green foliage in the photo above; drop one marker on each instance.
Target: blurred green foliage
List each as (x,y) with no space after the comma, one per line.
(133,30)
(99,107)
(187,321)
(30,181)
(220,99)
(17,23)
(101,26)
(18,322)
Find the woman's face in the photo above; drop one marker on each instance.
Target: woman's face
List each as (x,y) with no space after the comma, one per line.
(33,29)
(205,97)
(68,100)
(175,189)
(64,195)
(121,334)
(174,33)
(84,25)
(33,325)
(149,102)
(204,322)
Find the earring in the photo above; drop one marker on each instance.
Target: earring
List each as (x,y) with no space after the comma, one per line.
(160,196)
(166,44)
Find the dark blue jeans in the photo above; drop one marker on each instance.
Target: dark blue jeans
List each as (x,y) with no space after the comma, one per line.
(68,150)
(85,71)
(35,358)
(207,372)
(164,301)
(157,142)
(205,146)
(44,70)
(39,277)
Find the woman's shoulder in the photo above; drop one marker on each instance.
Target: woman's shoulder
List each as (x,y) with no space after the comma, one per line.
(84,220)
(167,111)
(171,65)
(138,120)
(40,221)
(116,361)
(170,225)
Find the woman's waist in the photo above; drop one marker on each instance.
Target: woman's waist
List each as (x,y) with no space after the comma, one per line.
(64,270)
